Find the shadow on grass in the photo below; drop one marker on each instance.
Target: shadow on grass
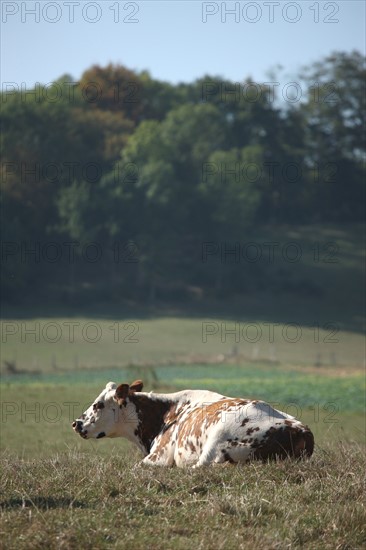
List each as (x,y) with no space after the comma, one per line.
(42,503)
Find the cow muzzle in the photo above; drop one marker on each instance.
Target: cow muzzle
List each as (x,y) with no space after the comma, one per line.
(78,428)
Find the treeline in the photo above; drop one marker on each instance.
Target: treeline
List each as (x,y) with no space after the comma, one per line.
(119,184)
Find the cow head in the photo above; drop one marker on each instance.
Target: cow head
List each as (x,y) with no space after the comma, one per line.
(110,415)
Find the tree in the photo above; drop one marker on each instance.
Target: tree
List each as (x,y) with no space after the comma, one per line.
(335,136)
(113,88)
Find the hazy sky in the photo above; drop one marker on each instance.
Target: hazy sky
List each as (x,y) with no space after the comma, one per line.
(174,40)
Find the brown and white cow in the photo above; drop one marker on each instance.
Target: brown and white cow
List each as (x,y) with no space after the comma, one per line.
(194,427)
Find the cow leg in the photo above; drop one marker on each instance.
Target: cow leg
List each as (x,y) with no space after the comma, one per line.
(151,460)
(209,455)
(154,460)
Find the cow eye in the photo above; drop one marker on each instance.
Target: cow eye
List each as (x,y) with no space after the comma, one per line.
(98,406)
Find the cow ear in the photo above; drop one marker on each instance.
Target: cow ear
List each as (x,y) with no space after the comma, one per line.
(121,394)
(137,385)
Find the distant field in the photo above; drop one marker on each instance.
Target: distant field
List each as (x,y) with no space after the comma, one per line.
(71,344)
